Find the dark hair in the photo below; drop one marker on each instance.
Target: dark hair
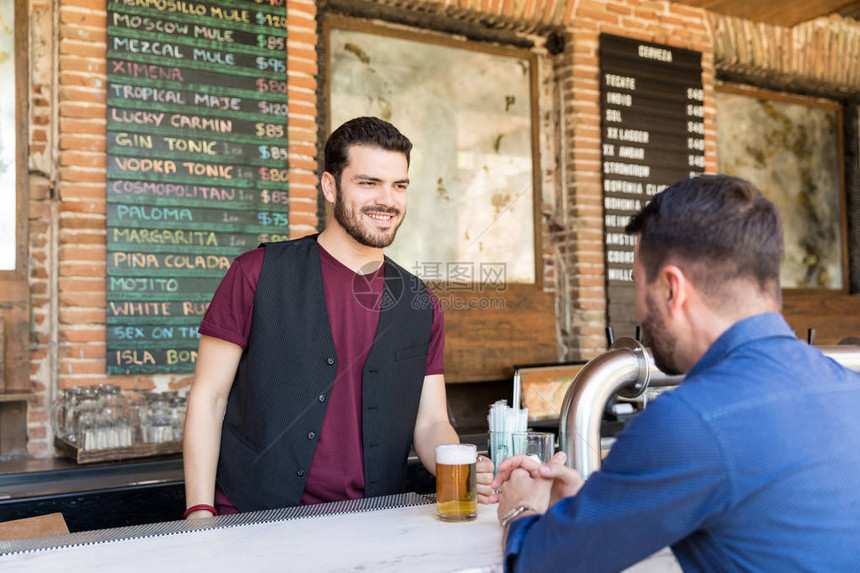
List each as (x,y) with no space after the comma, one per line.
(717,227)
(370,131)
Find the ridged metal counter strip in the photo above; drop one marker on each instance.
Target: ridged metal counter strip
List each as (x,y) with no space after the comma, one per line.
(221,522)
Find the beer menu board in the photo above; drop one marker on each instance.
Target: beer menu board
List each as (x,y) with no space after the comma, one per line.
(196,164)
(652,136)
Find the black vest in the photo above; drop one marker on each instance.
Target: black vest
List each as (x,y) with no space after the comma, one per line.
(279,396)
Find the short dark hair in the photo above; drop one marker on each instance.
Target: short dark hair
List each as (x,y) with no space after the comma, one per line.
(718,227)
(370,131)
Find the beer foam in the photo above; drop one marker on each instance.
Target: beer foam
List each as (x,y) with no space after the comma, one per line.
(456,454)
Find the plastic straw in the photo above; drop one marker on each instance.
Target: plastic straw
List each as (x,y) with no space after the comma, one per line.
(517,389)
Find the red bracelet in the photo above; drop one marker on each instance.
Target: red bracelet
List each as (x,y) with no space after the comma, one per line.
(200,506)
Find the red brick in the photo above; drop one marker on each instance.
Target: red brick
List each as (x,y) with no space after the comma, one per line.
(89,237)
(619,8)
(302,36)
(83,351)
(37,416)
(586,60)
(85,300)
(95,207)
(303,193)
(88,35)
(82,316)
(91,270)
(83,284)
(82,334)
(303,123)
(85,4)
(38,288)
(302,66)
(97,66)
(81,95)
(90,18)
(83,176)
(38,210)
(299,218)
(688,11)
(75,159)
(82,49)
(306,163)
(182,382)
(300,178)
(76,253)
(82,367)
(37,449)
(80,127)
(73,191)
(301,81)
(598,15)
(69,109)
(36,433)
(309,8)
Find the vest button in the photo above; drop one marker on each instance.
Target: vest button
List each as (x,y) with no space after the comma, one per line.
(311,435)
(321,398)
(300,473)
(330,360)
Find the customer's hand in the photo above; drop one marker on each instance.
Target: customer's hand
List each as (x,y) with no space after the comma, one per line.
(565,481)
(484,469)
(520,488)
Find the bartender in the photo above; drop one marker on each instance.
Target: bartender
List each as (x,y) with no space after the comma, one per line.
(752,463)
(320,360)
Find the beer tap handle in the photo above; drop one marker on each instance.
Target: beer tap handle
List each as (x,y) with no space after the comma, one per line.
(610,337)
(638,333)
(810,336)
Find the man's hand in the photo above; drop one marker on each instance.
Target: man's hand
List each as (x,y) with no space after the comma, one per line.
(521,488)
(484,470)
(565,481)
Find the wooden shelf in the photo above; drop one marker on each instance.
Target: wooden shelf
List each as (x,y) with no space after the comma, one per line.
(16,396)
(82,456)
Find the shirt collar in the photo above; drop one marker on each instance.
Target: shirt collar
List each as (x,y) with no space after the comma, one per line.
(756,327)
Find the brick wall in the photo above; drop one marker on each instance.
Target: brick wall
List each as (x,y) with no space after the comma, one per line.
(659,22)
(68,202)
(67,163)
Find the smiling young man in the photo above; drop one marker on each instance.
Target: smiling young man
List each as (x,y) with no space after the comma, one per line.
(320,360)
(752,463)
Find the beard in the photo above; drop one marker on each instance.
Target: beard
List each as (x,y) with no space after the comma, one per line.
(661,341)
(354,225)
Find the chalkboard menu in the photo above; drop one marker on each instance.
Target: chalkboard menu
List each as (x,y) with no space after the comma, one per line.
(196,164)
(652,136)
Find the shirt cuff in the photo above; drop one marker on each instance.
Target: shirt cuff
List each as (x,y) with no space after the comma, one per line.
(214,331)
(517,531)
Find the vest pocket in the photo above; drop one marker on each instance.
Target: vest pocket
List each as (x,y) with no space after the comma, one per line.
(419,351)
(241,438)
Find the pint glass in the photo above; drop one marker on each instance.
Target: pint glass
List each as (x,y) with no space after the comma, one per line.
(456,486)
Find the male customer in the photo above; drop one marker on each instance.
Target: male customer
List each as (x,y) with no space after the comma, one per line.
(320,360)
(753,462)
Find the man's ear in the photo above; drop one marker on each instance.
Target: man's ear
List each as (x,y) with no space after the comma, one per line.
(677,288)
(329,187)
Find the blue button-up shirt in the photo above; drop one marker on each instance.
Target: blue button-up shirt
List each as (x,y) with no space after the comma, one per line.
(753,464)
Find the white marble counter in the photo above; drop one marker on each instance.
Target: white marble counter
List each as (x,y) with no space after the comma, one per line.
(403,539)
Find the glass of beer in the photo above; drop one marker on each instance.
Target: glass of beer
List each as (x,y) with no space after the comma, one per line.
(456,485)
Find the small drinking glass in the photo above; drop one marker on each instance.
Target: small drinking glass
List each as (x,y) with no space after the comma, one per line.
(539,446)
(499,447)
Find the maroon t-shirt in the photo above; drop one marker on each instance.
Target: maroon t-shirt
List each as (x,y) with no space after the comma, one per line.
(352,302)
